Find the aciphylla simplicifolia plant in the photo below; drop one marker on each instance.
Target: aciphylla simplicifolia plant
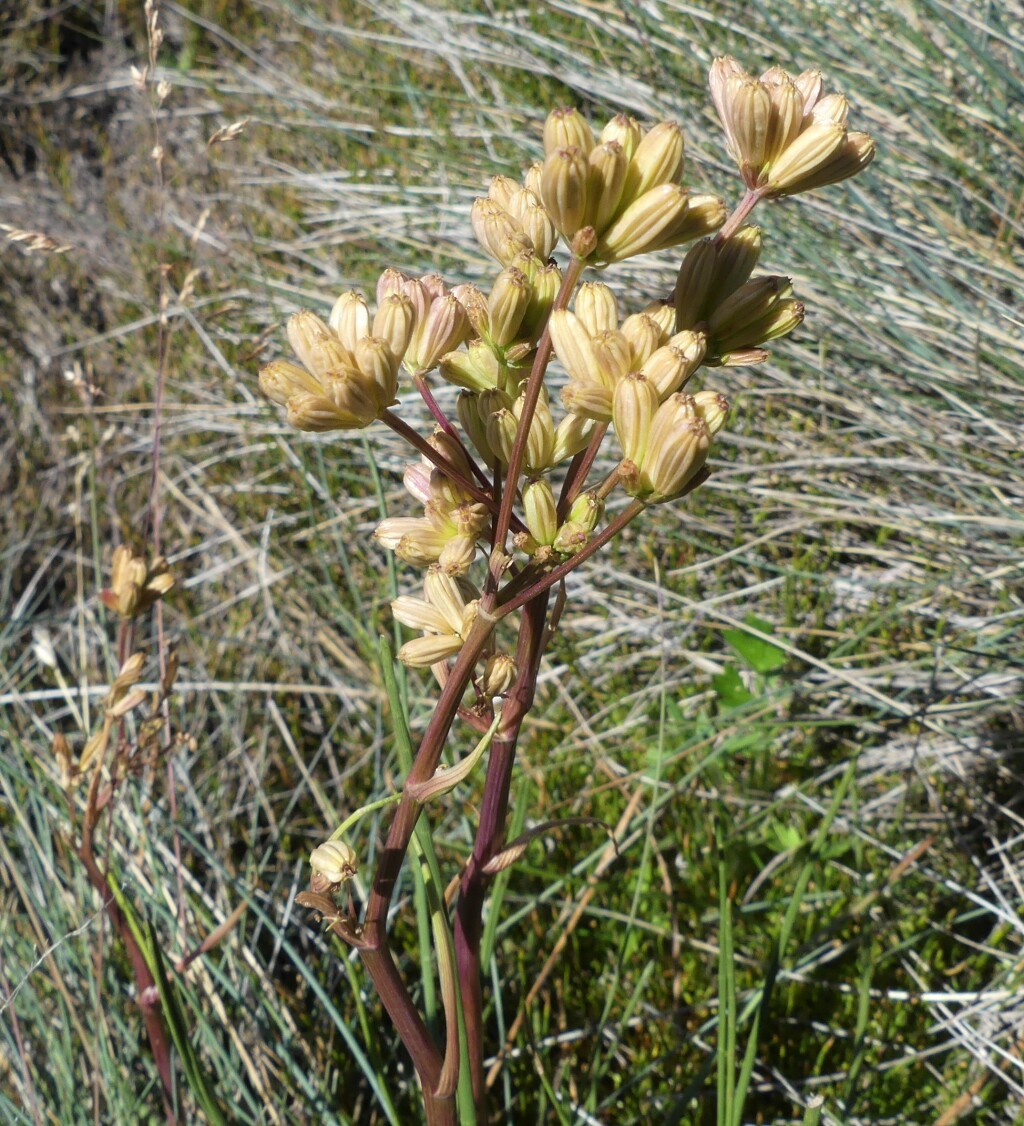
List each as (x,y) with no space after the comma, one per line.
(509,507)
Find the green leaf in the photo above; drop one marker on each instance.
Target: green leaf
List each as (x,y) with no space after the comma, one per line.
(760,655)
(730,688)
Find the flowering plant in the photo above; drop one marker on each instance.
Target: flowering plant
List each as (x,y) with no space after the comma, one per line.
(509,507)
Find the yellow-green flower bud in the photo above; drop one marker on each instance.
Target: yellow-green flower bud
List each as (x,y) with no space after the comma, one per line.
(571,538)
(713,408)
(563,189)
(649,223)
(608,171)
(658,160)
(474,425)
(545,282)
(379,365)
(540,442)
(595,308)
(539,510)
(565,128)
(496,230)
(476,369)
(586,510)
(623,131)
(572,434)
(634,403)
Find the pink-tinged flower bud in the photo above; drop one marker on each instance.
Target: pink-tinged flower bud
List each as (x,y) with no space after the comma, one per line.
(539,510)
(811,84)
(443,328)
(634,403)
(713,408)
(279,380)
(563,187)
(586,510)
(565,128)
(649,223)
(475,304)
(658,160)
(595,308)
(422,652)
(588,399)
(623,131)
(390,281)
(677,446)
(350,319)
(417,482)
(499,675)
(607,182)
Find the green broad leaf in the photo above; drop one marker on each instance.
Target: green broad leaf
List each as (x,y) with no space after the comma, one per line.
(760,655)
(730,688)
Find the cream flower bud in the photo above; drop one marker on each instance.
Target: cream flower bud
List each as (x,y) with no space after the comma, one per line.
(833,109)
(501,189)
(588,399)
(810,83)
(333,862)
(595,308)
(305,332)
(380,364)
(545,282)
(677,446)
(390,532)
(649,223)
(539,510)
(705,213)
(563,187)
(540,441)
(475,304)
(444,592)
(606,185)
(418,614)
(495,229)
(393,323)
(499,675)
(713,408)
(457,555)
(350,319)
(565,128)
(670,367)
(805,157)
(506,306)
(856,153)
(658,160)
(787,110)
(572,344)
(643,335)
(623,131)
(279,380)
(611,350)
(422,652)
(634,403)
